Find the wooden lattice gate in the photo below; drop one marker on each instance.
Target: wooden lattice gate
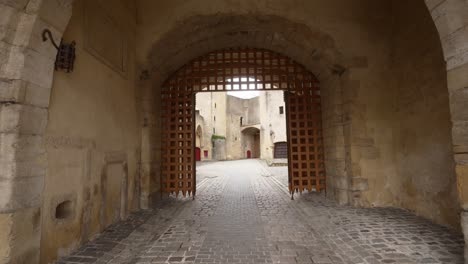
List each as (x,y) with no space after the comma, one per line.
(242,69)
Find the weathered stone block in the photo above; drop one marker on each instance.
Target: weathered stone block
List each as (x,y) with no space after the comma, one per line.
(22,119)
(36,95)
(341,196)
(12,91)
(5,237)
(355,198)
(460,136)
(20,236)
(458,99)
(38,69)
(20,193)
(21,33)
(464,225)
(462,182)
(451,21)
(26,64)
(19,148)
(461,159)
(11,170)
(8,19)
(341,182)
(13,61)
(359,184)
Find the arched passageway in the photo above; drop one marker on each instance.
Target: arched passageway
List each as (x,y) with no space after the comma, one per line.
(240,69)
(251,142)
(365,64)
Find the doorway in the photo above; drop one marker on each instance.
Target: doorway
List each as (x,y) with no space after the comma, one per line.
(242,69)
(197,154)
(281,150)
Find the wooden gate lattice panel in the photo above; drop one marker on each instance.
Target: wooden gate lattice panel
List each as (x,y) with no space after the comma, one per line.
(242,69)
(178,161)
(305,156)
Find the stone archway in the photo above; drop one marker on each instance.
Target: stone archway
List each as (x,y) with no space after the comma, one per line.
(337,71)
(251,142)
(24,99)
(239,69)
(450,18)
(324,60)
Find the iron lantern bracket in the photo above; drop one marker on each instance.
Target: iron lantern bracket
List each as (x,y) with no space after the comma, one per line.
(66,53)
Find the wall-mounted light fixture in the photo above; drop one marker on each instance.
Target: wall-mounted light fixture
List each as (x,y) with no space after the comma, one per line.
(65,59)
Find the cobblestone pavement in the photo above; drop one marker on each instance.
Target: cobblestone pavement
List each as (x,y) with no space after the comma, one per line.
(244,214)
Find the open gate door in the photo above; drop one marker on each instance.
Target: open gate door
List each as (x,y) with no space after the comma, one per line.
(305,146)
(178,144)
(241,69)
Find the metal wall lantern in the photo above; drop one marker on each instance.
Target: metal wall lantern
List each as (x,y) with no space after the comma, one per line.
(65,58)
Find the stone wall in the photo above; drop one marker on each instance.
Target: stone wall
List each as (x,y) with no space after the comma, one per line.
(426,181)
(93,135)
(235,110)
(26,71)
(450,17)
(273,123)
(253,109)
(219,149)
(261,112)
(349,46)
(322,46)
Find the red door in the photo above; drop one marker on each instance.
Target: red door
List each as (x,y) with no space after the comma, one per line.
(197,154)
(249,154)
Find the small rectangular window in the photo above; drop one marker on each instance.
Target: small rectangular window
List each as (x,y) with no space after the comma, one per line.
(281,110)
(214,118)
(214,130)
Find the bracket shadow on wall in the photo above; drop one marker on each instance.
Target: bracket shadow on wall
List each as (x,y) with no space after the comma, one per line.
(65,58)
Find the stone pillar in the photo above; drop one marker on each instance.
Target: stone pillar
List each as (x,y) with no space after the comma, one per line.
(464,224)
(451,20)
(26,72)
(458,94)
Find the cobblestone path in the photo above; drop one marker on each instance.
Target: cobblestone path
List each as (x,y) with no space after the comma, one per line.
(244,214)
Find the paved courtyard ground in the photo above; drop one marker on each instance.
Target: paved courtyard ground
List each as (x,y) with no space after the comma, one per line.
(244,214)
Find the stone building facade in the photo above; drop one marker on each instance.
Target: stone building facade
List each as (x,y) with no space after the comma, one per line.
(241,128)
(81,150)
